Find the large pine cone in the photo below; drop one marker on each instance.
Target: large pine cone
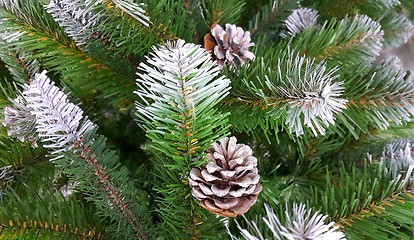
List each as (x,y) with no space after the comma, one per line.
(228,184)
(230,45)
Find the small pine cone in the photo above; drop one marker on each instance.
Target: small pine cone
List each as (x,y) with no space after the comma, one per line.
(230,45)
(228,185)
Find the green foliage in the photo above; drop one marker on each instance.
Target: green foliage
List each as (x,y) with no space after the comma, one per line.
(6,93)
(221,11)
(311,106)
(407,7)
(354,190)
(124,33)
(346,42)
(341,8)
(260,90)
(47,216)
(16,67)
(392,218)
(65,58)
(98,174)
(385,98)
(268,21)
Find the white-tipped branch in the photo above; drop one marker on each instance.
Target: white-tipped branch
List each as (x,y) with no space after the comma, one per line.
(299,224)
(313,94)
(399,159)
(5,174)
(178,77)
(398,29)
(5,177)
(81,19)
(179,87)
(299,20)
(20,121)
(58,122)
(307,88)
(45,109)
(349,41)
(305,225)
(77,17)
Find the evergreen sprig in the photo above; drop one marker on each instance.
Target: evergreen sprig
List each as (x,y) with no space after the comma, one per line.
(299,20)
(385,98)
(346,42)
(84,21)
(66,59)
(222,11)
(58,122)
(76,17)
(60,125)
(398,29)
(294,92)
(269,19)
(180,87)
(355,190)
(99,175)
(20,66)
(300,223)
(47,216)
(125,27)
(391,218)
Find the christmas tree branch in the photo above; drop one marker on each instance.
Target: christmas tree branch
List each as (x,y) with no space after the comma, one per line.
(309,97)
(299,222)
(398,29)
(80,20)
(20,69)
(74,65)
(270,17)
(221,11)
(32,14)
(76,17)
(48,216)
(300,20)
(391,217)
(179,89)
(359,188)
(127,26)
(60,126)
(86,22)
(108,178)
(133,9)
(349,41)
(342,8)
(387,96)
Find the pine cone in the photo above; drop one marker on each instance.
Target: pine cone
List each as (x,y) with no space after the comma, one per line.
(231,45)
(228,185)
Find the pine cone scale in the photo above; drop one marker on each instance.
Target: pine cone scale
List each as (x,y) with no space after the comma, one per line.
(209,177)
(227,174)
(220,192)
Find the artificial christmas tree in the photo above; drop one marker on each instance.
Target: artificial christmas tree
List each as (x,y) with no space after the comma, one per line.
(117,117)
